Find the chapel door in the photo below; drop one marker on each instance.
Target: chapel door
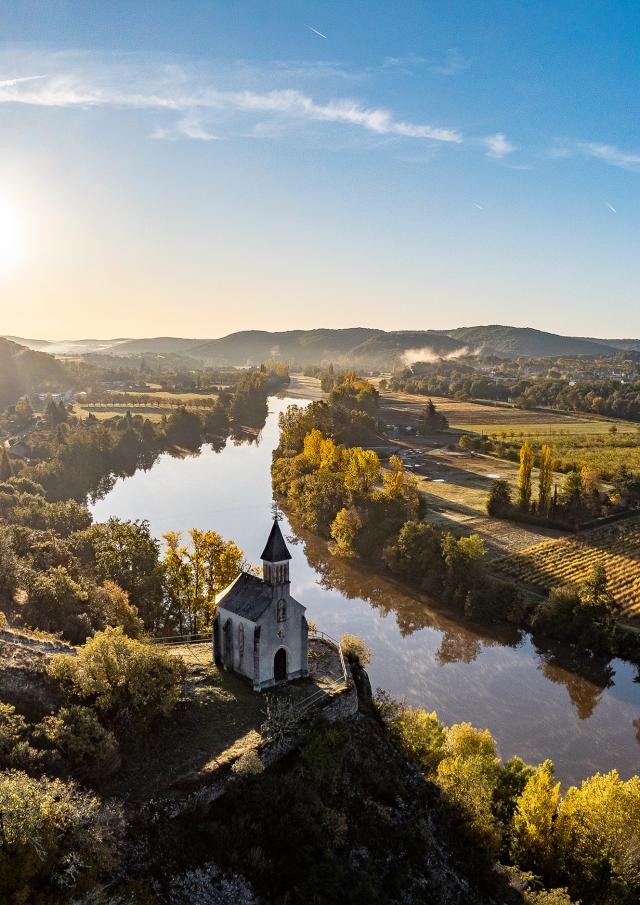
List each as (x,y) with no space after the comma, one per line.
(280,665)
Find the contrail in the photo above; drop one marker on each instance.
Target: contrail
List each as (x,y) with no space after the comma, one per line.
(9,83)
(479,206)
(611,208)
(316,32)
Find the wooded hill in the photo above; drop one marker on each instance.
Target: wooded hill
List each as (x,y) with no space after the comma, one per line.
(358,346)
(24,371)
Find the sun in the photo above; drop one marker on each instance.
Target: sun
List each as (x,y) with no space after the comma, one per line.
(11,238)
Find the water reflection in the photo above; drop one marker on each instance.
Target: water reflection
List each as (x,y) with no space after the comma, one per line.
(535,699)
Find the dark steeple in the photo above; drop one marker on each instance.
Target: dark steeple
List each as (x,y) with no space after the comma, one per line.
(275,549)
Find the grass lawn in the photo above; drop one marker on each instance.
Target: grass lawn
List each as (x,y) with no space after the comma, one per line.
(219,720)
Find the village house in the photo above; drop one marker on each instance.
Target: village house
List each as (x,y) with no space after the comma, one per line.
(260,630)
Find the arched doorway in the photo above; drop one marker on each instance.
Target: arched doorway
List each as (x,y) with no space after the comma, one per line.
(280,665)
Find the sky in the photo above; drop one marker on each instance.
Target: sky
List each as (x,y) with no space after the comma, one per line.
(195,168)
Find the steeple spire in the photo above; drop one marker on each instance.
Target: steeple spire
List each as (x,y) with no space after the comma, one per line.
(275,559)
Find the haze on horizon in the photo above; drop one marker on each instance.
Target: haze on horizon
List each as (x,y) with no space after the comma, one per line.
(199,168)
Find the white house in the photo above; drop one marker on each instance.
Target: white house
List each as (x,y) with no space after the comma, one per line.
(260,630)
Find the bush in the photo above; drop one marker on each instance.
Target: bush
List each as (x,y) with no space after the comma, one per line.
(355,650)
(15,750)
(53,837)
(248,764)
(499,502)
(82,746)
(126,679)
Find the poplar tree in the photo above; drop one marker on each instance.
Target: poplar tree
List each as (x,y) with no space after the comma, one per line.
(545,478)
(5,465)
(524,475)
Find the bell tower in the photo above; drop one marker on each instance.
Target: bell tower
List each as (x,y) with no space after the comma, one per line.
(275,561)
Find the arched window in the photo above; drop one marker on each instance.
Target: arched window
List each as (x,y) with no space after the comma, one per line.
(241,640)
(282,610)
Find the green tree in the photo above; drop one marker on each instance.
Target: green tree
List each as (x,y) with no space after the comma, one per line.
(524,475)
(499,501)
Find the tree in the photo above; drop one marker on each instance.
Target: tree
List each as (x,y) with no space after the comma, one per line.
(431,420)
(126,553)
(598,834)
(177,580)
(524,475)
(545,478)
(532,839)
(344,531)
(362,471)
(499,501)
(468,774)
(6,469)
(595,588)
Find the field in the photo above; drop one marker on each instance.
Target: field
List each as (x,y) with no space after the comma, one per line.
(571,560)
(576,440)
(105,411)
(484,418)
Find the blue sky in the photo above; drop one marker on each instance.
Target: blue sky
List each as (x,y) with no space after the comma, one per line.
(195,168)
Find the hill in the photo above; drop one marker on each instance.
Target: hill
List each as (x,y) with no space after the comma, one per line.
(362,346)
(25,371)
(512,342)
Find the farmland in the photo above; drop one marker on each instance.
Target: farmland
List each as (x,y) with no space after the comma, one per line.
(571,560)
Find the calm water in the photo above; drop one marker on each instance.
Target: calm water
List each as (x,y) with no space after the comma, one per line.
(533,702)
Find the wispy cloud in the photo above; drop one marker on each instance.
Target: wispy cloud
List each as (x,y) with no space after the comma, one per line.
(498,146)
(187,90)
(610,154)
(454,63)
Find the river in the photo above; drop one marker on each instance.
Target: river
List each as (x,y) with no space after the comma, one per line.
(533,701)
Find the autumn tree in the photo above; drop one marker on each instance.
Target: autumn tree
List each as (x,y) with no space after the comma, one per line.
(532,842)
(545,478)
(6,470)
(524,475)
(344,531)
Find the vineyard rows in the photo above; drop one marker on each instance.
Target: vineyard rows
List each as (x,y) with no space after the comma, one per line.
(571,560)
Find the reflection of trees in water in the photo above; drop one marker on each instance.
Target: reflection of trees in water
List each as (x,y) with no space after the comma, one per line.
(460,642)
(585,680)
(457,647)
(636,726)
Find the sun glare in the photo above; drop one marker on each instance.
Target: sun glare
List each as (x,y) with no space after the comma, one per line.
(11,239)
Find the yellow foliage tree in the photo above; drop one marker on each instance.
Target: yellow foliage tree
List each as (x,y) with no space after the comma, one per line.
(362,471)
(545,478)
(532,838)
(344,531)
(524,475)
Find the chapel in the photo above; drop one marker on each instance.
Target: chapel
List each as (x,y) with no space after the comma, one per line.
(260,631)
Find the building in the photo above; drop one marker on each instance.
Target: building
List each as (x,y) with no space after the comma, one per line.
(260,630)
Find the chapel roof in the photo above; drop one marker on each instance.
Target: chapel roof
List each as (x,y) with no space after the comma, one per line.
(275,549)
(247,596)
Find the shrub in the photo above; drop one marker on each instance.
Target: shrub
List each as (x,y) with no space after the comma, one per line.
(248,764)
(355,650)
(83,747)
(58,603)
(125,679)
(15,750)
(53,836)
